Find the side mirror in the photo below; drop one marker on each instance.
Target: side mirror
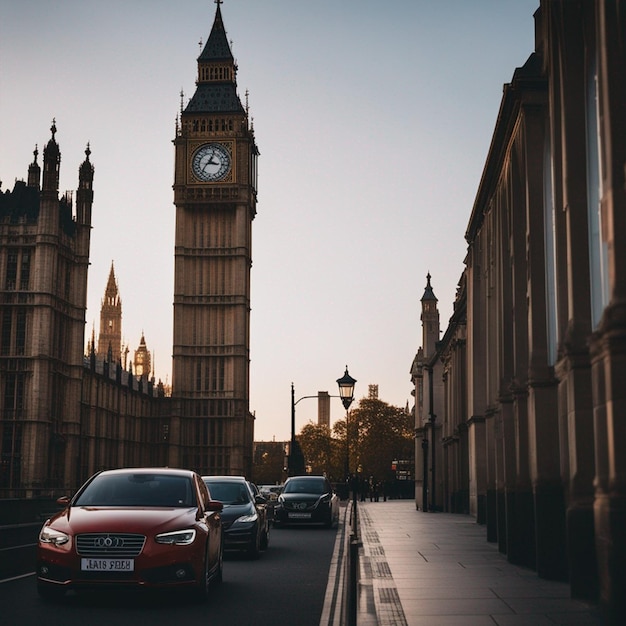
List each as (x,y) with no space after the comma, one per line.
(214,505)
(260,500)
(63,501)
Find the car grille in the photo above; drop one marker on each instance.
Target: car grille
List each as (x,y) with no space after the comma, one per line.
(300,506)
(109,544)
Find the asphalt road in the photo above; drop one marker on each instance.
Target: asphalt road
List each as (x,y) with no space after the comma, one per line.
(285,586)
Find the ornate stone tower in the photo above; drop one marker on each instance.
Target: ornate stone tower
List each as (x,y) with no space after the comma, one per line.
(142,363)
(110,337)
(426,373)
(215,189)
(430,320)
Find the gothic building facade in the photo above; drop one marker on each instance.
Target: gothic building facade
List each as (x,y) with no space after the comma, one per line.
(66,414)
(44,256)
(531,423)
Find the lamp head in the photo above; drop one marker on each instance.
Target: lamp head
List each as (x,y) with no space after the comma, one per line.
(346,389)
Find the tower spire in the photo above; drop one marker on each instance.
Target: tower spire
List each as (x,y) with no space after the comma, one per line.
(216,84)
(429,294)
(34,171)
(110,338)
(51,163)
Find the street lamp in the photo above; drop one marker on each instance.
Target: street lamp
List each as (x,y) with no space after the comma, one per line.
(295,464)
(346,393)
(295,459)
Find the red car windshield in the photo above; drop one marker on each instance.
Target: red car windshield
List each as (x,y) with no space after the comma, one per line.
(142,490)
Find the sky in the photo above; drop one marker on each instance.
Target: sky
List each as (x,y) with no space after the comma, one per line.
(373,120)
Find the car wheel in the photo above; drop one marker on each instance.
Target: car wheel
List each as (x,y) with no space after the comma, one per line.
(254,549)
(50,593)
(265,539)
(201,592)
(219,576)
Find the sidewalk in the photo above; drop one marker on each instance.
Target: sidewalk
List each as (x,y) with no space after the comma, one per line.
(437,569)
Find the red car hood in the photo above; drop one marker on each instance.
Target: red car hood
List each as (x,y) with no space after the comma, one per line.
(75,520)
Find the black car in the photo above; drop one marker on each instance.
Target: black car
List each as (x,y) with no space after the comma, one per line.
(307,500)
(244,517)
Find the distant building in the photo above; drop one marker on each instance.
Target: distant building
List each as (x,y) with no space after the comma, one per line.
(323,409)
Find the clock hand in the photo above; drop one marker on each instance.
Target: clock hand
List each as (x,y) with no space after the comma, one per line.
(209,162)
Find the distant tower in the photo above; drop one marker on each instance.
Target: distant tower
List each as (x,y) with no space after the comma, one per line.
(215,191)
(323,409)
(142,361)
(110,338)
(430,320)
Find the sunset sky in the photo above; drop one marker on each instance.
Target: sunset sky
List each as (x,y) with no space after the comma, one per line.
(373,120)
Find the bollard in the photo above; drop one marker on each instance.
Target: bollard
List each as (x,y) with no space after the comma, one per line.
(354,579)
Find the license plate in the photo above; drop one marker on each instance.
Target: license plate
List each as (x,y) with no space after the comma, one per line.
(299,515)
(107,565)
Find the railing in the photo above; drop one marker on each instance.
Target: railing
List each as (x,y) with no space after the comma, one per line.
(352,565)
(17,549)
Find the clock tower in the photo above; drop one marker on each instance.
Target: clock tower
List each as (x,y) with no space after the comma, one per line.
(215,190)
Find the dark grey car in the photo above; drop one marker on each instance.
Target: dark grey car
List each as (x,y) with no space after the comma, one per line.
(244,517)
(307,500)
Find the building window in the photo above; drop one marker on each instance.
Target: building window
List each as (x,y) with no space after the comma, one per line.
(198,375)
(549,217)
(5,347)
(68,282)
(20,332)
(598,250)
(11,275)
(25,269)
(218,369)
(10,468)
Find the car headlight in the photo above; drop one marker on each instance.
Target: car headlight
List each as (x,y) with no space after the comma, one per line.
(55,537)
(246,518)
(177,537)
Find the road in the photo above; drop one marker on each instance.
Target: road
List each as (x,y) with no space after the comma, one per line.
(286,585)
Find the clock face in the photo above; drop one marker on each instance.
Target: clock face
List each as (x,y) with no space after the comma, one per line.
(210,162)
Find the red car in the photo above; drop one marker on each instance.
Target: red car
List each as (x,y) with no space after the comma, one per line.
(149,527)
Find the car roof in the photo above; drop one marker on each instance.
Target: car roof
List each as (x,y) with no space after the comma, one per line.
(307,477)
(173,471)
(237,479)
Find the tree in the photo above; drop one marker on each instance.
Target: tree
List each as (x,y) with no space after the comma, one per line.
(321,453)
(269,460)
(379,434)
